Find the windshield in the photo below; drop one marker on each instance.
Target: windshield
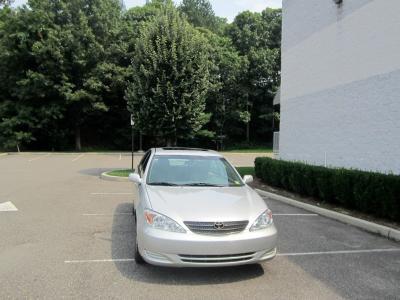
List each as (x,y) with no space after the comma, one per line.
(189,170)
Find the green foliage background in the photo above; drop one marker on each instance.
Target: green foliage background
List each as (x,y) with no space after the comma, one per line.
(68,67)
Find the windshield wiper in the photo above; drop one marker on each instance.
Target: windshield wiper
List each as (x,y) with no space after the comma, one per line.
(163,183)
(202,184)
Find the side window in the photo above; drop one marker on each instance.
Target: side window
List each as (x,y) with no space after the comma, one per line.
(143,162)
(146,161)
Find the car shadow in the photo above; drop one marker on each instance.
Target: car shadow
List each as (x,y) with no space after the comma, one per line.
(122,246)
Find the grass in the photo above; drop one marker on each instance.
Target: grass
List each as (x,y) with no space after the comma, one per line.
(259,149)
(245,171)
(120,173)
(125,173)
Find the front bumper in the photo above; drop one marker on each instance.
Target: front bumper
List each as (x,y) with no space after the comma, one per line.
(196,250)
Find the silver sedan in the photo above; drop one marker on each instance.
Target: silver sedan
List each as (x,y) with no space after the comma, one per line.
(192,209)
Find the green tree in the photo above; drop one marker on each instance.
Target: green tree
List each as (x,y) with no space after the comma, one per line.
(133,20)
(245,31)
(63,61)
(170,82)
(201,14)
(226,102)
(24,111)
(257,37)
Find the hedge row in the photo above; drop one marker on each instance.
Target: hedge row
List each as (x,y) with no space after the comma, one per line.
(372,193)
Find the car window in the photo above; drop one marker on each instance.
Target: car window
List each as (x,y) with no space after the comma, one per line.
(190,170)
(143,162)
(146,160)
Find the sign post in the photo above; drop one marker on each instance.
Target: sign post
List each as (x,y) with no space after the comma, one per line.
(133,139)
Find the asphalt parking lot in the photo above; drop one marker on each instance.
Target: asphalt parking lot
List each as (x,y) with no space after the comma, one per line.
(72,238)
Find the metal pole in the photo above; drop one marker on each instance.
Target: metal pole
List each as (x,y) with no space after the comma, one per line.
(133,146)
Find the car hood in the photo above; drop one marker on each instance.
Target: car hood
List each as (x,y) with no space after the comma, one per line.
(207,204)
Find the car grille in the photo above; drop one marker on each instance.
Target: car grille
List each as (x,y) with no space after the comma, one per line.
(211,228)
(216,258)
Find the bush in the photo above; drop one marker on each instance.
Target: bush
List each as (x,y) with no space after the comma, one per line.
(372,193)
(245,171)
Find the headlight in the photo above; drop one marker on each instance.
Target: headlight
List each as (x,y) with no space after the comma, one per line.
(162,222)
(263,221)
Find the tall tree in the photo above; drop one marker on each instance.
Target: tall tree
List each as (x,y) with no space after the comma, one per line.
(168,90)
(134,19)
(60,56)
(226,102)
(28,105)
(257,37)
(201,14)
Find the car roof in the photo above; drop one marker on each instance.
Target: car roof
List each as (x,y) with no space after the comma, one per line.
(185,151)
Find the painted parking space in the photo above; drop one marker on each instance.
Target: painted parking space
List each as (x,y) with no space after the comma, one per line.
(335,253)
(39,156)
(308,242)
(321,234)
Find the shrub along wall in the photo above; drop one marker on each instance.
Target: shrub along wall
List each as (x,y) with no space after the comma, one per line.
(372,193)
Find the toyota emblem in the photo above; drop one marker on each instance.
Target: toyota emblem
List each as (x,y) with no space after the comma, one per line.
(218,225)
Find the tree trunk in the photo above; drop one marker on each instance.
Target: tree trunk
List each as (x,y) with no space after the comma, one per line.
(248,132)
(141,142)
(169,142)
(248,126)
(78,146)
(172,141)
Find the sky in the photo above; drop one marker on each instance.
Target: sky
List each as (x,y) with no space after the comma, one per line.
(223,8)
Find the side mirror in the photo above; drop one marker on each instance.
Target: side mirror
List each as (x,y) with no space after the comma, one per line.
(135,178)
(247,178)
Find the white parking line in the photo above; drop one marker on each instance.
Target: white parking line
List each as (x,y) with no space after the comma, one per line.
(340,252)
(279,254)
(98,260)
(117,214)
(120,156)
(111,193)
(306,215)
(7,206)
(78,157)
(39,157)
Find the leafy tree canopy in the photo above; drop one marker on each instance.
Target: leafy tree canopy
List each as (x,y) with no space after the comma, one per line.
(226,101)
(58,62)
(256,30)
(257,36)
(168,91)
(201,14)
(66,67)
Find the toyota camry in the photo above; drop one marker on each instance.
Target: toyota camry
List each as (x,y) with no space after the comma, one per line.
(193,209)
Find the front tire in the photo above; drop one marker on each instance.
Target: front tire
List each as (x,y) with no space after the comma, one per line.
(136,254)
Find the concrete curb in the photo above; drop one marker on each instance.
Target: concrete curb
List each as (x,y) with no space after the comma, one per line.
(385,231)
(104,176)
(3,154)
